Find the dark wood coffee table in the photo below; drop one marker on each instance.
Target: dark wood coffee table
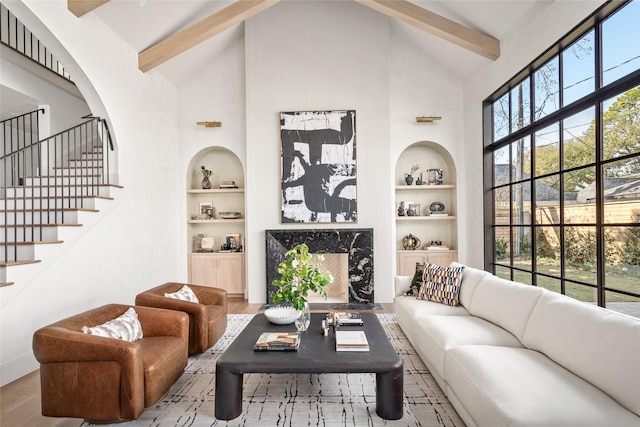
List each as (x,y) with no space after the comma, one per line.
(317,355)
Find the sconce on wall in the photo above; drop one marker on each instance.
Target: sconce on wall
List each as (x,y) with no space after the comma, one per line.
(427,119)
(210,124)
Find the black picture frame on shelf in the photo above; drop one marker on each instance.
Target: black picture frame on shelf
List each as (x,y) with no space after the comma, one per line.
(318,166)
(434,177)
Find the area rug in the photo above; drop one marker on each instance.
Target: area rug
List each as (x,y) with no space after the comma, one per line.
(295,400)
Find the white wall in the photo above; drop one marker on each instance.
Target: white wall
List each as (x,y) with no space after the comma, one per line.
(526,41)
(134,246)
(64,104)
(307,56)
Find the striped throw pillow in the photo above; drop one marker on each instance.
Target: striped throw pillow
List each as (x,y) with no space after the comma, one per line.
(441,284)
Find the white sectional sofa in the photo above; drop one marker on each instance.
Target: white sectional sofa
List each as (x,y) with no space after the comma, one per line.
(518,355)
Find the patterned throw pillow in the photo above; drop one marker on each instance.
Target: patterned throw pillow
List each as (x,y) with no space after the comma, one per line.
(126,327)
(185,293)
(441,284)
(418,278)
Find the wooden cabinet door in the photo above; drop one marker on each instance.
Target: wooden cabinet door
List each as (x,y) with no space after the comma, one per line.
(225,271)
(231,273)
(443,258)
(406,262)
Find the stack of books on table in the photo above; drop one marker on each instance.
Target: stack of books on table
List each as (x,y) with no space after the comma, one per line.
(438,248)
(345,318)
(278,341)
(351,341)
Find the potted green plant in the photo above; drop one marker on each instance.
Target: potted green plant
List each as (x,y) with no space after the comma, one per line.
(300,275)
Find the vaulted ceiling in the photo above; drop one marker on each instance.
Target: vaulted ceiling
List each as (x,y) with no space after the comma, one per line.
(178,37)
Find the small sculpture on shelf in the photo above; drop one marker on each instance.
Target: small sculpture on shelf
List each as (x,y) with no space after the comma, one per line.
(206,173)
(401,209)
(410,242)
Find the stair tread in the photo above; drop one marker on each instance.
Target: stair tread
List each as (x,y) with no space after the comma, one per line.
(63,209)
(2,284)
(64,185)
(33,242)
(91,196)
(13,263)
(43,225)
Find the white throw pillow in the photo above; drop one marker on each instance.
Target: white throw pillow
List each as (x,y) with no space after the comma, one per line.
(185,294)
(126,327)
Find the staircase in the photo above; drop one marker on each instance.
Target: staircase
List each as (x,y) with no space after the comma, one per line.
(36,209)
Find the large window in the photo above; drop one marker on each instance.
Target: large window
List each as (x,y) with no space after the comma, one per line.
(563,138)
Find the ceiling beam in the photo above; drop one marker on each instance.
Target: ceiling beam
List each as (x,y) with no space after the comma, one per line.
(199,32)
(81,7)
(449,30)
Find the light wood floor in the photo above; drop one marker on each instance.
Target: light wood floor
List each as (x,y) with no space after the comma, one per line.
(20,400)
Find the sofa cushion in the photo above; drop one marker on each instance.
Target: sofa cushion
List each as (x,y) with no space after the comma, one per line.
(470,280)
(441,284)
(185,294)
(402,284)
(599,345)
(507,386)
(125,327)
(435,335)
(503,302)
(409,310)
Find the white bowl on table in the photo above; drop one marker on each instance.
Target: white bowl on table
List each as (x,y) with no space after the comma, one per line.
(281,315)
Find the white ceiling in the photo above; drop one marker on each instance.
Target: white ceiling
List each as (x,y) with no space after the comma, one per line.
(142,23)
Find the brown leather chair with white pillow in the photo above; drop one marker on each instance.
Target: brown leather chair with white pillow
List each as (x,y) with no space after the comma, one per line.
(105,379)
(207,317)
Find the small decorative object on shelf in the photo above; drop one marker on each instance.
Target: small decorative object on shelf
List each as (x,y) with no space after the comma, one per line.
(410,242)
(414,210)
(401,209)
(437,208)
(436,245)
(206,173)
(229,215)
(408,177)
(433,177)
(299,277)
(227,185)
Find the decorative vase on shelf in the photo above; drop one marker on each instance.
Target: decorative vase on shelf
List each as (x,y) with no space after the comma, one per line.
(303,321)
(206,183)
(408,179)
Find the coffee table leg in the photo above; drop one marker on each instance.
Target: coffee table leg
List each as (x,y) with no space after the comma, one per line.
(228,394)
(389,394)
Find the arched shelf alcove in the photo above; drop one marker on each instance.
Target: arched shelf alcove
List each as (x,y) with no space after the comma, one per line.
(433,206)
(216,221)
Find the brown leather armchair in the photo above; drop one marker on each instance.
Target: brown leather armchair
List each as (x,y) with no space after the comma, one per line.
(207,319)
(107,379)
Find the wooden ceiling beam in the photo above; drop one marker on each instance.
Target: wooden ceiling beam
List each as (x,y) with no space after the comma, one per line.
(201,31)
(81,7)
(449,30)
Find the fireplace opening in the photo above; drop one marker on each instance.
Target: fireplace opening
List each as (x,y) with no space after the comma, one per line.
(338,290)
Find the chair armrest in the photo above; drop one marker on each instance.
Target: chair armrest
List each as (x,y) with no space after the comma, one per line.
(55,344)
(158,322)
(211,296)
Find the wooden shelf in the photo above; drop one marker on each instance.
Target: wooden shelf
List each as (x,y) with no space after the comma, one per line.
(214,221)
(215,191)
(425,218)
(425,187)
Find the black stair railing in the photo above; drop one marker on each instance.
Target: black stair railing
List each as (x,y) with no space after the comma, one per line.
(43,179)
(15,35)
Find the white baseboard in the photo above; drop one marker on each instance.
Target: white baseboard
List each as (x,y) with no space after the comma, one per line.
(17,368)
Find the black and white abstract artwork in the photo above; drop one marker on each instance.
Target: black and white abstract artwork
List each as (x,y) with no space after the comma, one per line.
(318,166)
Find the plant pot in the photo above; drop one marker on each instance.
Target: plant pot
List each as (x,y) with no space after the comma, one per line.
(302,322)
